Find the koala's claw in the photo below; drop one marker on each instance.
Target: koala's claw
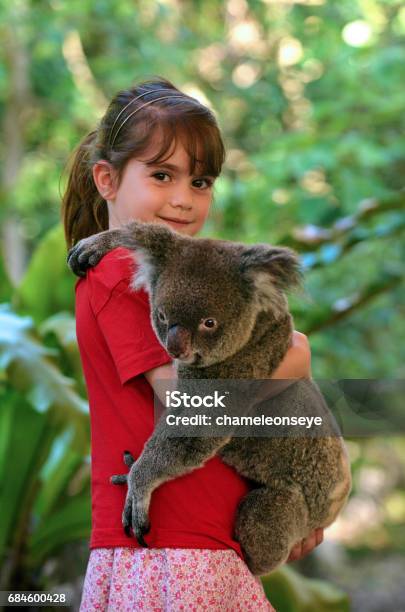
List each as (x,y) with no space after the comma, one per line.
(120,479)
(83,255)
(141,541)
(139,538)
(136,517)
(135,513)
(73,263)
(128,458)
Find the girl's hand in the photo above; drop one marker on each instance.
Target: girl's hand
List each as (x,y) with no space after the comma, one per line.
(306,546)
(297,361)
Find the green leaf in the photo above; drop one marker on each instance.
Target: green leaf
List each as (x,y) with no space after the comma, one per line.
(71,522)
(6,288)
(31,371)
(48,284)
(289,592)
(62,326)
(61,467)
(25,440)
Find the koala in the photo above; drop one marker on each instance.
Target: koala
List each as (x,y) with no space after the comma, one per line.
(220,310)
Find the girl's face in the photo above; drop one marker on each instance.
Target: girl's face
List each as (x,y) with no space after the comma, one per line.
(159,193)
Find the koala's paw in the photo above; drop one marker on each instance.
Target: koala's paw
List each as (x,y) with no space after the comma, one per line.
(263,556)
(135,515)
(136,507)
(85,254)
(261,567)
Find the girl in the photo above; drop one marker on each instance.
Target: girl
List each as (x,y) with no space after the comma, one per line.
(154,157)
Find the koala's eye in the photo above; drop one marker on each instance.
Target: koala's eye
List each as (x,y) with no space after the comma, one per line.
(208,324)
(161,316)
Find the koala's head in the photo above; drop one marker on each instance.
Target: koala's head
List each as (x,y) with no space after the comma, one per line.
(206,294)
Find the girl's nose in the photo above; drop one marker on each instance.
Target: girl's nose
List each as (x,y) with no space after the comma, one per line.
(181,198)
(181,203)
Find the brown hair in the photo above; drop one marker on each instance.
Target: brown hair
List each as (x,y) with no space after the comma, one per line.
(123,134)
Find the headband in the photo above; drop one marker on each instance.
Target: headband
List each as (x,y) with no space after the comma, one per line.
(111,142)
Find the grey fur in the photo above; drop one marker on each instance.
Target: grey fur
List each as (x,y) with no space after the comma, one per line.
(299,483)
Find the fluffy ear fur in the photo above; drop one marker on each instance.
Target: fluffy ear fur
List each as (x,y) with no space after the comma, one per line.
(272,270)
(153,238)
(144,272)
(153,243)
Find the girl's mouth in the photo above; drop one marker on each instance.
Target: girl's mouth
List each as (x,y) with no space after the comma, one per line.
(175,222)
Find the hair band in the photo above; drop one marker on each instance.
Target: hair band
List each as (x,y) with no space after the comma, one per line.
(138,109)
(129,104)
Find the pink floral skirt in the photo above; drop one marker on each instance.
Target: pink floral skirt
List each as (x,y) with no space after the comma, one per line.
(169,580)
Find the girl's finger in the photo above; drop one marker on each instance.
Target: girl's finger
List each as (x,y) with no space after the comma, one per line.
(308,545)
(303,548)
(295,553)
(319,536)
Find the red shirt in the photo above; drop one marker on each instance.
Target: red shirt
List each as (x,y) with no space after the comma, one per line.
(117,345)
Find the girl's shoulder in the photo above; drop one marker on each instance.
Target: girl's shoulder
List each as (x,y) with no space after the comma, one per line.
(116,266)
(109,282)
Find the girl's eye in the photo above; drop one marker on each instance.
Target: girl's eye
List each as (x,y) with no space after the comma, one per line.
(208,183)
(202,183)
(159,174)
(208,324)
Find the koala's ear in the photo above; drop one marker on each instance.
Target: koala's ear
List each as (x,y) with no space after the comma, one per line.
(153,239)
(153,244)
(272,270)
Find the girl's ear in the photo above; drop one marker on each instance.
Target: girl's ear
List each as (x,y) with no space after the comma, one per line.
(105,178)
(272,270)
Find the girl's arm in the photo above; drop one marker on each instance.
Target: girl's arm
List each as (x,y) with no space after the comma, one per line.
(297,360)
(164,372)
(296,364)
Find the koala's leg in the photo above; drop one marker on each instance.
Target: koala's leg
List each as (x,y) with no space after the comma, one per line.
(154,237)
(269,522)
(162,459)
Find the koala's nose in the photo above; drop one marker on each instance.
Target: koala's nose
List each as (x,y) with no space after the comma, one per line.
(178,341)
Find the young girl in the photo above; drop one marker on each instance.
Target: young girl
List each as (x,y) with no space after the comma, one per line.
(154,157)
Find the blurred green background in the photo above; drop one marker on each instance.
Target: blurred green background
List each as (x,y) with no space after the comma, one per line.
(309,95)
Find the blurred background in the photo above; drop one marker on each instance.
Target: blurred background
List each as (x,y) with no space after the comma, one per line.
(310,98)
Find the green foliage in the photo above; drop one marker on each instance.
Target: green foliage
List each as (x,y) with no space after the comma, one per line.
(19,459)
(70,523)
(31,371)
(290,592)
(48,285)
(44,442)
(5,284)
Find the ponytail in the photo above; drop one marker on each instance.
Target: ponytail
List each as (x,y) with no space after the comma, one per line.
(84,211)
